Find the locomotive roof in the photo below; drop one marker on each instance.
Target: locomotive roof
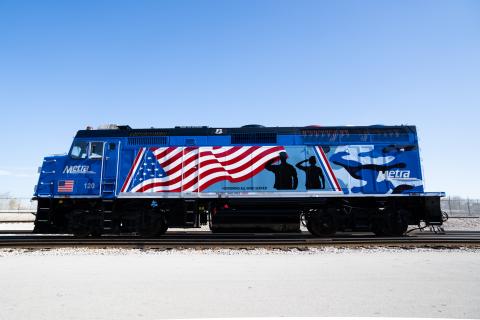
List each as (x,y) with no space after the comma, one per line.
(127,131)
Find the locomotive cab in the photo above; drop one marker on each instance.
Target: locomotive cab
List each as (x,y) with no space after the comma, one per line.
(89,169)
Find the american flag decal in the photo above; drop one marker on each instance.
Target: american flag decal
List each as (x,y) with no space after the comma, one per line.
(193,169)
(65,186)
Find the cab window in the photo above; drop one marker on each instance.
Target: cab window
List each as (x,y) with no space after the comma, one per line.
(79,150)
(96,150)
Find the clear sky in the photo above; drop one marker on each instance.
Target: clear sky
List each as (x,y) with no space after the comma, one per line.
(68,64)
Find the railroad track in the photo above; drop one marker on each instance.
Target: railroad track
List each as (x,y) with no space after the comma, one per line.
(204,240)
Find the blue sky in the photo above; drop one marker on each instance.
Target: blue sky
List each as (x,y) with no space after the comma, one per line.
(68,64)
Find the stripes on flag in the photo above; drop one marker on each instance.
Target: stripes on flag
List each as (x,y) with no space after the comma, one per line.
(193,169)
(65,185)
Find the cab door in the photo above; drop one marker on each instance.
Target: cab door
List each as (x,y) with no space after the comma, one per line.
(110,168)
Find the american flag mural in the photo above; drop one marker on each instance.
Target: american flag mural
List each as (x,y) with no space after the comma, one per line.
(193,169)
(65,185)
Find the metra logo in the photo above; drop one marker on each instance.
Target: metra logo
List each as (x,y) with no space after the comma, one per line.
(397,174)
(77,170)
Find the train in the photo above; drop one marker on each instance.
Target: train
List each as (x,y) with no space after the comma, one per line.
(120,180)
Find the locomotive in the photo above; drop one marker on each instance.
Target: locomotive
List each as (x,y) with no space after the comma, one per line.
(345,178)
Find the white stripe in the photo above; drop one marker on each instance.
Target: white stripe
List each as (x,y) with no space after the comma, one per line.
(159,150)
(135,168)
(232,155)
(216,151)
(169,155)
(180,160)
(330,174)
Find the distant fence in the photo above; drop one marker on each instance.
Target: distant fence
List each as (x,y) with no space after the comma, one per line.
(461,207)
(9,204)
(453,206)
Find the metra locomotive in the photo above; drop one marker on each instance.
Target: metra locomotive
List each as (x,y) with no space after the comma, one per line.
(144,181)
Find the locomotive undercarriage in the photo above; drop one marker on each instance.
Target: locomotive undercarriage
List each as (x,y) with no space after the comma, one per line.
(386,216)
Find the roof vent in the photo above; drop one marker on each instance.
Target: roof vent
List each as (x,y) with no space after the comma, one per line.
(254,138)
(108,127)
(253,126)
(147,141)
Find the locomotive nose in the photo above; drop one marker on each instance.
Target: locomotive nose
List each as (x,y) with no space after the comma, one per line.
(47,175)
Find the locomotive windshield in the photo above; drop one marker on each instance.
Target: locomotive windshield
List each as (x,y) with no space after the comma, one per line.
(79,150)
(82,149)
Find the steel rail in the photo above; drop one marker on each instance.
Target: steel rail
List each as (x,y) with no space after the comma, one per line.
(246,241)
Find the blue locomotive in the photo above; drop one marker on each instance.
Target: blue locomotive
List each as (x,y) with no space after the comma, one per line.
(118,179)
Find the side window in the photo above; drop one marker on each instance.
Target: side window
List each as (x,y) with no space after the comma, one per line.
(79,150)
(96,150)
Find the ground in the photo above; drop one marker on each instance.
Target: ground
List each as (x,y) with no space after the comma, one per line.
(126,284)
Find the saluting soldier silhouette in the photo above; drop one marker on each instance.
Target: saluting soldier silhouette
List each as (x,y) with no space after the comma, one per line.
(285,173)
(314,178)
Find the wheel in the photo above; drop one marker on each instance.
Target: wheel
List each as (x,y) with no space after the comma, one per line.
(378,228)
(391,223)
(322,223)
(77,223)
(155,225)
(398,223)
(96,232)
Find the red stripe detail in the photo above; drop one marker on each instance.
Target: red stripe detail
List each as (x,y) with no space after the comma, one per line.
(165,152)
(224,153)
(329,168)
(175,157)
(237,158)
(203,163)
(166,183)
(171,159)
(185,162)
(231,179)
(252,161)
(131,170)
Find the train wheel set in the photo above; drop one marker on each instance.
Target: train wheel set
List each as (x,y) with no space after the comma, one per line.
(152,218)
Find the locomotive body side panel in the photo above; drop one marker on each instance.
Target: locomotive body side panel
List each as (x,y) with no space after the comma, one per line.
(344,169)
